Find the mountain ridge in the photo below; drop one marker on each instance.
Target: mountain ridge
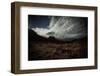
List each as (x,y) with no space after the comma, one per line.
(33,36)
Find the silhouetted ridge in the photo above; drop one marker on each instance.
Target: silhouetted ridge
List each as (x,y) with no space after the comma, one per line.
(33,36)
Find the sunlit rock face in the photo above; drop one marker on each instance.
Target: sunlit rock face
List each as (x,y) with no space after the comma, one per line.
(64,28)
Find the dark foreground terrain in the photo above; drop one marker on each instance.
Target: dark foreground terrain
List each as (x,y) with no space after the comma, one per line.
(41,48)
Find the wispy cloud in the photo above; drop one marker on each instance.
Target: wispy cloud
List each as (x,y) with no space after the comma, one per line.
(64,28)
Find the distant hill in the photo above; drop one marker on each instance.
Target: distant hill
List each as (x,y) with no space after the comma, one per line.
(33,36)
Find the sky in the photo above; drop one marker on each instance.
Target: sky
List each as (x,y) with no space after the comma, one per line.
(38,21)
(60,27)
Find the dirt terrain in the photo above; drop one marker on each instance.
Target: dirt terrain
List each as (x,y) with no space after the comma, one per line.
(45,49)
